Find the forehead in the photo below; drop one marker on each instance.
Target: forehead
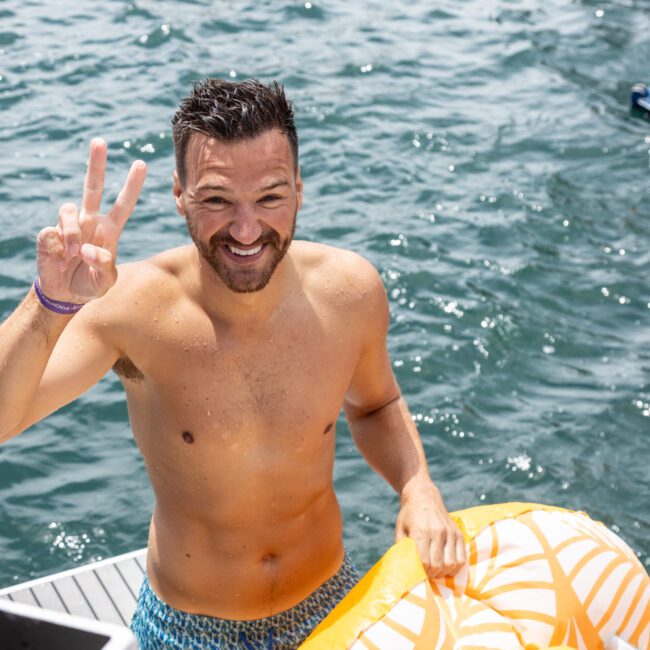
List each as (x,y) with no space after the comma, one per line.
(267,153)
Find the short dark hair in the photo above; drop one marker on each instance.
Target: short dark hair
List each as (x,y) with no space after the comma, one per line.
(230,111)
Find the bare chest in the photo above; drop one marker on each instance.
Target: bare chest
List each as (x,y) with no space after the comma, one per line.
(286,378)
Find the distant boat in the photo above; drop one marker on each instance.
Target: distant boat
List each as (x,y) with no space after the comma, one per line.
(640,97)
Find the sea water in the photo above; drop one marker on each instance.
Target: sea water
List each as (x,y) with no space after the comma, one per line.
(480,153)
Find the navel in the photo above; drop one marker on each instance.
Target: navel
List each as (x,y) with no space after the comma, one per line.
(328,428)
(188,437)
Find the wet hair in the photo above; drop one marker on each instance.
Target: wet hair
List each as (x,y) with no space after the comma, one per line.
(231,111)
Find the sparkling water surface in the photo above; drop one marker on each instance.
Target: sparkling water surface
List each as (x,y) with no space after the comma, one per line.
(481,154)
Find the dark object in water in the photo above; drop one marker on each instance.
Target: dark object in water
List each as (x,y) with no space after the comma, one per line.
(640,97)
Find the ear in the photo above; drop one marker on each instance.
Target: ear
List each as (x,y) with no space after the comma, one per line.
(178,195)
(299,187)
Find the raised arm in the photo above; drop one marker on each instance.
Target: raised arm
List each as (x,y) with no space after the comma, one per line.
(384,432)
(49,329)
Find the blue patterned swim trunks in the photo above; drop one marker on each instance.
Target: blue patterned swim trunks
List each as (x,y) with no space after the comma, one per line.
(158,626)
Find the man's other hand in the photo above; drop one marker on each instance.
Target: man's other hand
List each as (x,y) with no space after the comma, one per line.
(424,518)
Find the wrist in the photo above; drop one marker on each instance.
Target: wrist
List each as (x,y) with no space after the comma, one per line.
(33,303)
(41,319)
(56,306)
(419,486)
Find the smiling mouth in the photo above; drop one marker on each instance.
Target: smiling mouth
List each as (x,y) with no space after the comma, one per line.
(243,256)
(244,252)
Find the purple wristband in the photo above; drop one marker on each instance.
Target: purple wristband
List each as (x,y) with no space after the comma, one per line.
(57,306)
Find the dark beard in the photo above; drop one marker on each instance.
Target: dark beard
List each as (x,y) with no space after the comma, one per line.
(242,280)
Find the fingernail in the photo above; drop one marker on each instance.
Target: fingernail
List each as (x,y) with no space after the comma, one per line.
(62,266)
(90,253)
(74,250)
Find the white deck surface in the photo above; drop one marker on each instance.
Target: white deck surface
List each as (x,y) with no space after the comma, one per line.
(105,591)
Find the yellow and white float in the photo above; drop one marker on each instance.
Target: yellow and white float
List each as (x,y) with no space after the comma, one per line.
(537,577)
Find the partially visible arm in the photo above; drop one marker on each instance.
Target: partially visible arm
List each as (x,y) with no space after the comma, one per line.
(28,337)
(47,360)
(384,432)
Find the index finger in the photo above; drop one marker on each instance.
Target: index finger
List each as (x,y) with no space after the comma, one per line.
(128,196)
(94,180)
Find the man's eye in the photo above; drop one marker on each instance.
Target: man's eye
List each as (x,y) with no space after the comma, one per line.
(215,199)
(271,197)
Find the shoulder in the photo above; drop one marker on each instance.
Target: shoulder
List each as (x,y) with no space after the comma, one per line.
(341,275)
(142,285)
(320,261)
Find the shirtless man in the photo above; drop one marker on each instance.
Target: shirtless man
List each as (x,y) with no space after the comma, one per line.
(236,354)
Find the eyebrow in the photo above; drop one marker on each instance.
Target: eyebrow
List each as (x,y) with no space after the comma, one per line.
(223,188)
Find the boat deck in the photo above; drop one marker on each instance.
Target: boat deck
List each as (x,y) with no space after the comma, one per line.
(104,591)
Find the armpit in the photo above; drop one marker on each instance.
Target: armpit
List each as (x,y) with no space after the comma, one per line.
(126,369)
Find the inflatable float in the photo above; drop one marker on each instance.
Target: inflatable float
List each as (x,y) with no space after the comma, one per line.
(537,577)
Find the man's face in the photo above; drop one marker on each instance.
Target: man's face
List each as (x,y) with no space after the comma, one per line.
(240,203)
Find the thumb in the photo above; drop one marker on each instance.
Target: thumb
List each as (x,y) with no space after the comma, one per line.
(102,262)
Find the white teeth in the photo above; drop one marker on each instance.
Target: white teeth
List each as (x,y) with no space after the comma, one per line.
(239,251)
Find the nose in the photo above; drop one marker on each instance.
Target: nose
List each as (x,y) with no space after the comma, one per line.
(245,227)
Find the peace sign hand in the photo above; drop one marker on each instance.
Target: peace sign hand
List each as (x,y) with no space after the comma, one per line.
(76,259)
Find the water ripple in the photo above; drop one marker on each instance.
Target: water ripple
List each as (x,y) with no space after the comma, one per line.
(481,156)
